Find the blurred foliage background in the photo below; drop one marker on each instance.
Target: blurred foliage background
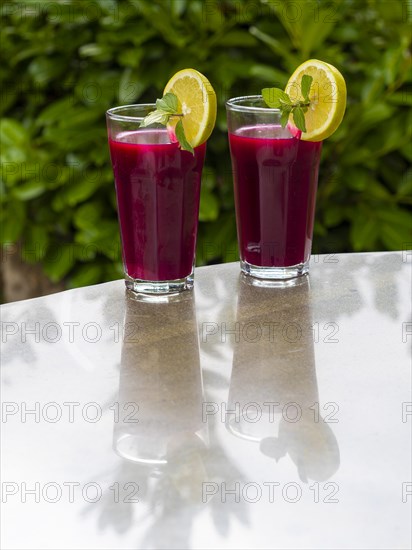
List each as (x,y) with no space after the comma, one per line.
(67,62)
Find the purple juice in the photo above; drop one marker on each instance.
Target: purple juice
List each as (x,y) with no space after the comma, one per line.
(275,183)
(158,192)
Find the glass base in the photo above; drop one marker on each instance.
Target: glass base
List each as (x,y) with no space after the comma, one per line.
(274,273)
(129,446)
(159,288)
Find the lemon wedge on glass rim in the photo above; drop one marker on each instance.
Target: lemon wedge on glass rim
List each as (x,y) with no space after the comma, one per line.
(196,101)
(327,98)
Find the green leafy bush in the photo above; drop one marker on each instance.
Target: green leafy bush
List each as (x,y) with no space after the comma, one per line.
(67,62)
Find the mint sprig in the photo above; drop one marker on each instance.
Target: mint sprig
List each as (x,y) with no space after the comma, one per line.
(275,98)
(167,108)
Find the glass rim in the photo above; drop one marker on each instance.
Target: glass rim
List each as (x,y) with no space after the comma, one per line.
(112,113)
(235,105)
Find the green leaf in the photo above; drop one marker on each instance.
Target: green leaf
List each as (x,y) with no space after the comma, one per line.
(267,73)
(86,275)
(401,98)
(35,244)
(377,191)
(12,133)
(394,237)
(77,191)
(167,104)
(87,215)
(306,85)
(358,178)
(398,217)
(405,187)
(59,261)
(308,23)
(29,190)
(208,178)
(374,113)
(277,46)
(364,232)
(130,57)
(209,206)
(181,137)
(128,90)
(44,69)
(286,106)
(113,270)
(284,118)
(55,111)
(240,38)
(406,151)
(92,50)
(155,117)
(79,117)
(273,96)
(334,215)
(13,221)
(158,17)
(299,119)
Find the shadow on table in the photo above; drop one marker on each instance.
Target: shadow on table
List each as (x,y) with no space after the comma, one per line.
(168,451)
(273,387)
(338,279)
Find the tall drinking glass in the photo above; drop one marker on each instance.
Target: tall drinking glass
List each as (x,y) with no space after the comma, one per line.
(275,181)
(158,192)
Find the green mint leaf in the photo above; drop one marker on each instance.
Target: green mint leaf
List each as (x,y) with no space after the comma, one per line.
(165,107)
(285,106)
(168,104)
(299,119)
(273,96)
(276,98)
(181,138)
(155,117)
(284,118)
(305,86)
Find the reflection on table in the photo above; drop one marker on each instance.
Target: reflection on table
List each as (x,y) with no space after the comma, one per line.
(273,389)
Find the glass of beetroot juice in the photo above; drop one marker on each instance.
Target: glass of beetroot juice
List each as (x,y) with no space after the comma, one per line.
(158,191)
(275,177)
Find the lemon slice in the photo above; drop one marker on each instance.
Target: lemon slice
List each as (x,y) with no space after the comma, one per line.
(327,97)
(196,101)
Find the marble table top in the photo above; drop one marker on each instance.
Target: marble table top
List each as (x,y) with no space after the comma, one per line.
(236,416)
